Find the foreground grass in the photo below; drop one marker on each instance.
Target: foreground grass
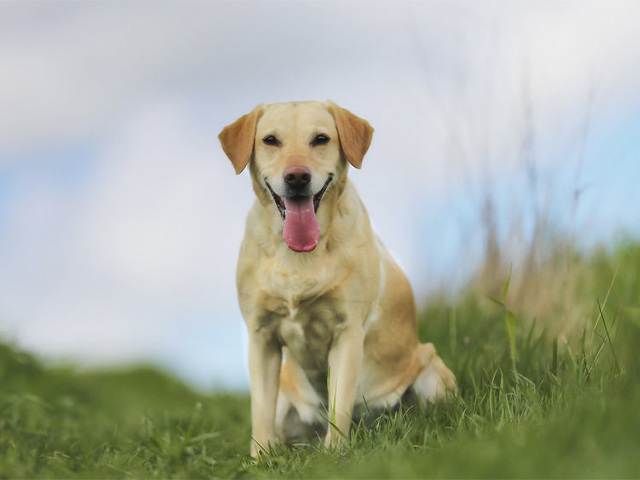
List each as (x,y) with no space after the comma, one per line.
(530,405)
(137,423)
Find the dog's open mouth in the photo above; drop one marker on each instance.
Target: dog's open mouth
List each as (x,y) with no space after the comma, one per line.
(301,229)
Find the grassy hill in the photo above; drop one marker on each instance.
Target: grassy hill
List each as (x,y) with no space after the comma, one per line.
(535,400)
(59,423)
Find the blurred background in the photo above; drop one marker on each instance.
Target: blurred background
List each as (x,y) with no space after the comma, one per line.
(501,128)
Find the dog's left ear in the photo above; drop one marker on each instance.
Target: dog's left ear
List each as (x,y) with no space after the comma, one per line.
(237,139)
(355,133)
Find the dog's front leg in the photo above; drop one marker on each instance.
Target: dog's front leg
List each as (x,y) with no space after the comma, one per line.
(265,358)
(345,358)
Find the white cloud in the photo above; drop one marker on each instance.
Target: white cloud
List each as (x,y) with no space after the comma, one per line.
(160,204)
(148,244)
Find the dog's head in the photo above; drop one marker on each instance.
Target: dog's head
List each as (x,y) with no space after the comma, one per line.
(298,154)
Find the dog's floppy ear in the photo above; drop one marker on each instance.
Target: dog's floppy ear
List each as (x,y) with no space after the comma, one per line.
(237,139)
(355,133)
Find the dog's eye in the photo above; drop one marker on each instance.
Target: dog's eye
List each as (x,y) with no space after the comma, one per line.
(320,139)
(270,140)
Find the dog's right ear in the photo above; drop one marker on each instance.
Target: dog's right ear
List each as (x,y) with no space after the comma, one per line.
(355,133)
(237,139)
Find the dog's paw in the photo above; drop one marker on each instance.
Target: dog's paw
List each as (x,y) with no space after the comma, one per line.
(436,382)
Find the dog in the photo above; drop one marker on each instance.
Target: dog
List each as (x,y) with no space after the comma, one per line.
(331,318)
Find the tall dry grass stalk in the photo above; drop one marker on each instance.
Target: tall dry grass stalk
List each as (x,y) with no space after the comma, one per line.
(550,286)
(551,282)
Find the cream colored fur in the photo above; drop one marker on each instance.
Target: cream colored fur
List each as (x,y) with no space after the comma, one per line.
(342,316)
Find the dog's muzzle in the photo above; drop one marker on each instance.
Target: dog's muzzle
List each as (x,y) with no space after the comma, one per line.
(298,210)
(297,195)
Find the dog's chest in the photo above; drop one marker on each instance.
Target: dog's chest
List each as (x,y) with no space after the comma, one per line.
(308,331)
(313,325)
(303,310)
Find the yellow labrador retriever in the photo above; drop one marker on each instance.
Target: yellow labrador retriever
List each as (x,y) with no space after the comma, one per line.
(316,285)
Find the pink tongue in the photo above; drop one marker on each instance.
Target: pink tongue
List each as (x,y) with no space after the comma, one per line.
(301,229)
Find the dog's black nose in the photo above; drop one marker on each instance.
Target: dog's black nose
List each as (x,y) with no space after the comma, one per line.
(297,176)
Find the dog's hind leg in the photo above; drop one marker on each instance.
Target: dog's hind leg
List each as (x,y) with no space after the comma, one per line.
(436,381)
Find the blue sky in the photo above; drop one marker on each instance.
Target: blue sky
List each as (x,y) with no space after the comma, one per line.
(120,216)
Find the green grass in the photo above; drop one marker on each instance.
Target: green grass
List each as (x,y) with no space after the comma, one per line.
(530,405)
